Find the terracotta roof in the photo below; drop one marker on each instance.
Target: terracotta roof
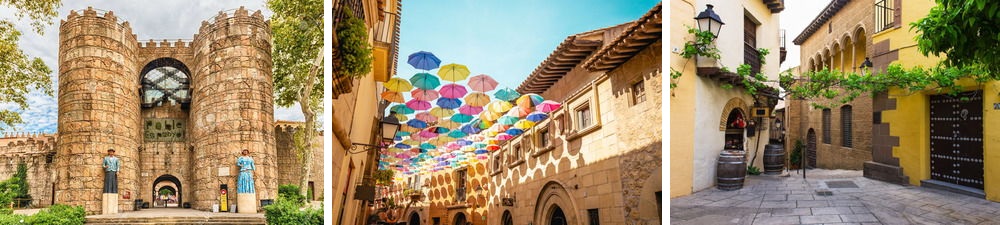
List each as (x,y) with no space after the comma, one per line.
(643,32)
(573,50)
(830,10)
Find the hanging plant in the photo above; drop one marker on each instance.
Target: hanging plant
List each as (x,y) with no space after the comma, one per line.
(355,53)
(383,177)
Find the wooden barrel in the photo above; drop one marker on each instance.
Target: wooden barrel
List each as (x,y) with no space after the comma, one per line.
(731,170)
(774,159)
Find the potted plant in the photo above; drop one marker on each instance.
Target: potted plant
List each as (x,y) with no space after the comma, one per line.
(795,158)
(415,194)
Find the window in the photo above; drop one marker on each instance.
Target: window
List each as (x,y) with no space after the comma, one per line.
(517,153)
(496,163)
(460,186)
(884,15)
(583,118)
(543,138)
(750,55)
(845,125)
(638,92)
(593,216)
(165,84)
(826,126)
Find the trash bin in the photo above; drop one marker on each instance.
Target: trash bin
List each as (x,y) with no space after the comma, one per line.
(138,204)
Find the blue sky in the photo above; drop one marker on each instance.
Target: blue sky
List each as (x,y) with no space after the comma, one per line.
(504,39)
(162,20)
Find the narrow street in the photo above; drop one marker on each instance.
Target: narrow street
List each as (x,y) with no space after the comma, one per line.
(855,200)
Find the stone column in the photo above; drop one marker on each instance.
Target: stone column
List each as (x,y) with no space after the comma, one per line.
(98,109)
(232,107)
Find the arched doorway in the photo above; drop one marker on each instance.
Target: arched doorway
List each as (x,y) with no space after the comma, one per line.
(557,217)
(507,219)
(460,219)
(811,148)
(163,199)
(735,124)
(414,219)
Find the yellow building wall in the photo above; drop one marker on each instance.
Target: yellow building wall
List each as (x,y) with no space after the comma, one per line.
(910,120)
(681,102)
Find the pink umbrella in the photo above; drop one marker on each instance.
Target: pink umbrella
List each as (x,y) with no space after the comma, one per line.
(482,83)
(424,95)
(470,110)
(547,106)
(426,117)
(504,137)
(418,137)
(427,134)
(418,104)
(453,91)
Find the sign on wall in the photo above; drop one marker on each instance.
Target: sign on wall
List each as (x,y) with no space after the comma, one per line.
(164,130)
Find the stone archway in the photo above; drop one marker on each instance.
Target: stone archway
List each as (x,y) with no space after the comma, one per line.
(460,219)
(176,183)
(414,219)
(554,204)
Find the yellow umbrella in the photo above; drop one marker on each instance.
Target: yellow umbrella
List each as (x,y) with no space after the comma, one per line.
(393,96)
(445,139)
(489,116)
(401,117)
(524,124)
(442,112)
(449,124)
(499,107)
(408,128)
(398,85)
(477,99)
(411,142)
(453,72)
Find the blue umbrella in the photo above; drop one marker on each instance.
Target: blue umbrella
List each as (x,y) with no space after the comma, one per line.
(401,145)
(424,60)
(461,118)
(449,103)
(426,146)
(417,124)
(425,81)
(470,129)
(481,151)
(514,131)
(456,134)
(463,142)
(506,94)
(536,116)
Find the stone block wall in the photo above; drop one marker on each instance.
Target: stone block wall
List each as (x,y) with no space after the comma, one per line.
(98,107)
(289,165)
(165,158)
(37,153)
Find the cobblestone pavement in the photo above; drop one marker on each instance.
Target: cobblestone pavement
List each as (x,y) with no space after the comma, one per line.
(793,200)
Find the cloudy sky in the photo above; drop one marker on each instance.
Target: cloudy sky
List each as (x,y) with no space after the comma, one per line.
(149,20)
(795,18)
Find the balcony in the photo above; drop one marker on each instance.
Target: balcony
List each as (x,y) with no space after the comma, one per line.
(343,84)
(386,42)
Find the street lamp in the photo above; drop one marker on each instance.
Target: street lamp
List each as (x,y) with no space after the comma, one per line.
(709,21)
(866,64)
(389,127)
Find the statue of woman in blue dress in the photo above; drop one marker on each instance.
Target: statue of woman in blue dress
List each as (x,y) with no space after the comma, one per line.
(244,184)
(111,165)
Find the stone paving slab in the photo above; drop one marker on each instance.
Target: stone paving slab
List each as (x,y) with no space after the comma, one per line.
(793,200)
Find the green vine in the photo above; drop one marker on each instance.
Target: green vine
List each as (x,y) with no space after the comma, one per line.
(355,52)
(701,46)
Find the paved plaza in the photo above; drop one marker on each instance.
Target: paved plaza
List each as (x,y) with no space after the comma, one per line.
(854,200)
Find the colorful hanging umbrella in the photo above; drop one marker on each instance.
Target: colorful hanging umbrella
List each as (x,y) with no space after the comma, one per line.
(398,84)
(424,95)
(463,142)
(470,129)
(425,81)
(418,104)
(437,129)
(448,103)
(507,120)
(416,124)
(406,127)
(423,60)
(400,116)
(505,94)
(470,110)
(392,96)
(477,99)
(548,106)
(426,117)
(449,124)
(523,124)
(517,111)
(453,72)
(536,116)
(485,124)
(400,134)
(482,151)
(482,83)
(417,137)
(401,145)
(489,116)
(504,137)
(427,134)
(498,107)
(453,91)
(441,112)
(402,109)
(494,147)
(427,146)
(529,101)
(461,118)
(457,134)
(514,131)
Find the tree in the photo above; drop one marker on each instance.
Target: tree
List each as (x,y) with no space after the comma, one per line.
(297,31)
(19,72)
(966,31)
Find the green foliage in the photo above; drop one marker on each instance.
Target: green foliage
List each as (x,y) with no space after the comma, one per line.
(383,177)
(965,30)
(796,157)
(8,190)
(753,170)
(12,219)
(58,214)
(22,182)
(355,52)
(19,72)
(702,45)
(285,211)
(291,193)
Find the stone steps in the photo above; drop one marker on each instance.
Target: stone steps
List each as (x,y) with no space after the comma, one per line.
(179,220)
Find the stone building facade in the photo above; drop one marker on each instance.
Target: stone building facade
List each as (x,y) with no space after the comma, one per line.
(597,158)
(839,136)
(36,151)
(290,164)
(176,112)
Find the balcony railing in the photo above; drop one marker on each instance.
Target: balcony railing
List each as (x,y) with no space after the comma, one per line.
(355,6)
(884,15)
(751,57)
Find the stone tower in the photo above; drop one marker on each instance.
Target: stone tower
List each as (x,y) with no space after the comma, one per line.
(175,112)
(98,106)
(233,105)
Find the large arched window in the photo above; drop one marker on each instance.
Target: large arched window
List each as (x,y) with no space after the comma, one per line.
(165,80)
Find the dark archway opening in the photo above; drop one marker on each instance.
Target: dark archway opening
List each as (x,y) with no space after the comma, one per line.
(166,200)
(414,219)
(735,124)
(507,218)
(558,217)
(460,219)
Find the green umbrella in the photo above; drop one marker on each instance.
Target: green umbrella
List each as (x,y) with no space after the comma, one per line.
(506,94)
(425,81)
(401,109)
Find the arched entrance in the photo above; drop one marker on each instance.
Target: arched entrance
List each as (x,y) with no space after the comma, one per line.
(549,207)
(557,217)
(460,219)
(735,123)
(811,148)
(414,219)
(507,218)
(160,191)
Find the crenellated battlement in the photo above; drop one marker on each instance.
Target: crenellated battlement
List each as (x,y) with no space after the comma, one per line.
(33,140)
(240,15)
(179,43)
(90,12)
